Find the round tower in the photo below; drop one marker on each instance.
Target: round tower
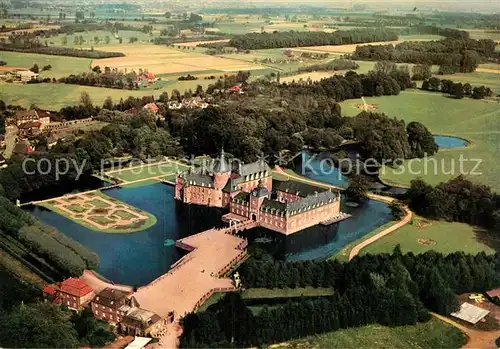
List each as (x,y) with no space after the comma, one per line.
(222,171)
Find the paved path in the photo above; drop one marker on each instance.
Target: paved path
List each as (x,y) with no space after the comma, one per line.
(355,250)
(98,284)
(10,140)
(476,339)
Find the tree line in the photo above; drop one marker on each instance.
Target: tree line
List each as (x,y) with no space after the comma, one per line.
(452,55)
(333,65)
(47,325)
(457,200)
(254,41)
(456,89)
(61,51)
(390,290)
(109,79)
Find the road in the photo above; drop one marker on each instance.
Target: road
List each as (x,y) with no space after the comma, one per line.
(10,140)
(476,339)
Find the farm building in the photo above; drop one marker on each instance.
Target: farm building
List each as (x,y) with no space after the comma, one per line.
(72,292)
(121,308)
(470,313)
(29,129)
(32,115)
(152,107)
(26,75)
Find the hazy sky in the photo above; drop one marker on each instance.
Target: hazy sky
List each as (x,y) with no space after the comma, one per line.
(459,5)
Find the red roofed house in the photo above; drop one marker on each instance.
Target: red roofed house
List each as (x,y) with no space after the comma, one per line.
(152,107)
(236,89)
(74,293)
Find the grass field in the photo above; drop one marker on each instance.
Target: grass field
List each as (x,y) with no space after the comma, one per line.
(476,121)
(423,235)
(61,65)
(55,96)
(147,171)
(263,293)
(430,335)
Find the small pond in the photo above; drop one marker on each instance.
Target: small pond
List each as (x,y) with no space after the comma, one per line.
(447,142)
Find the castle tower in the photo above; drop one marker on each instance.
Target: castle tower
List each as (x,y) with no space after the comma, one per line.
(222,171)
(257,196)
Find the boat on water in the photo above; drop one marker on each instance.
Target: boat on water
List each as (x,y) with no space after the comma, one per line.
(352,204)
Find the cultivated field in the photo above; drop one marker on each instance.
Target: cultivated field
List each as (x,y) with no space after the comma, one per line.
(429,335)
(164,60)
(476,121)
(422,235)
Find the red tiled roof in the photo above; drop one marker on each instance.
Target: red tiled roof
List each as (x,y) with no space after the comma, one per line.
(494,293)
(75,287)
(152,107)
(149,75)
(50,289)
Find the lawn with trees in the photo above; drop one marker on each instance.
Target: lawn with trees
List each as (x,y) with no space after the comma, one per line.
(386,289)
(429,335)
(476,121)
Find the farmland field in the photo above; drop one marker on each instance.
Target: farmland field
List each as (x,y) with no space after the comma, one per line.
(429,335)
(476,121)
(423,235)
(61,65)
(165,60)
(487,78)
(56,96)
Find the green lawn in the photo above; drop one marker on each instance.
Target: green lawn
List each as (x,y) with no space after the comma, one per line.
(61,65)
(262,293)
(147,171)
(76,208)
(98,203)
(431,335)
(124,214)
(476,121)
(421,235)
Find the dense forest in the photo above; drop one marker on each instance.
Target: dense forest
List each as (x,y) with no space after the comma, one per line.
(458,200)
(255,41)
(290,117)
(452,55)
(47,325)
(390,290)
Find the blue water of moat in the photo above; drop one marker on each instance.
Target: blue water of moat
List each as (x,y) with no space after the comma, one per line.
(447,142)
(138,258)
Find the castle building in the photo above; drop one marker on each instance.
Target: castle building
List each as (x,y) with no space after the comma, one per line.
(218,185)
(292,211)
(246,192)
